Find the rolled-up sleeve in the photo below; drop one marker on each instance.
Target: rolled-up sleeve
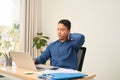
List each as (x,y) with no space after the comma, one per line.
(78,39)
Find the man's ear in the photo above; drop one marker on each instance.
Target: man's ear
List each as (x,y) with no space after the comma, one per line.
(69,31)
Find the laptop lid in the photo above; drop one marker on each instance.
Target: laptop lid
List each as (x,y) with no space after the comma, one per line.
(23,60)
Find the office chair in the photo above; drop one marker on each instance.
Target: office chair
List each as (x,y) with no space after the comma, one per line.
(81,56)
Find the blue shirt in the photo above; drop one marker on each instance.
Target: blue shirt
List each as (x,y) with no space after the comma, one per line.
(63,54)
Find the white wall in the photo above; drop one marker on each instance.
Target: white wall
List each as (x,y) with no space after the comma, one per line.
(99,21)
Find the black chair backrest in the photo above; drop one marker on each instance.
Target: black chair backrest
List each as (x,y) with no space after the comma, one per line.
(81,56)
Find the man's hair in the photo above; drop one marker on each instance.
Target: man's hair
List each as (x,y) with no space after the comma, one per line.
(65,22)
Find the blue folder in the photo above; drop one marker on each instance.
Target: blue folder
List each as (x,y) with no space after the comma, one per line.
(63,76)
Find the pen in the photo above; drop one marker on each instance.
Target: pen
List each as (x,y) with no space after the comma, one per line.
(5,55)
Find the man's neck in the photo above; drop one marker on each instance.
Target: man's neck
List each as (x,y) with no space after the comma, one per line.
(62,40)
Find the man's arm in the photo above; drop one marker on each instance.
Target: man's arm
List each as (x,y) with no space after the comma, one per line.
(43,57)
(78,39)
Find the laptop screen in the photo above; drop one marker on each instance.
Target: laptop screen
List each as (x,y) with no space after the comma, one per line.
(23,60)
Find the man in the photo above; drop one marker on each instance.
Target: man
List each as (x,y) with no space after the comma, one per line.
(63,52)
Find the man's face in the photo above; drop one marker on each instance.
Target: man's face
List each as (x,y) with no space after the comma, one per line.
(62,32)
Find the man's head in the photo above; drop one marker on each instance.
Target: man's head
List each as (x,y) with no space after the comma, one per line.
(63,29)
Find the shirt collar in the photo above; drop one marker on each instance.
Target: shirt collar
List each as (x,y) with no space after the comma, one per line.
(63,42)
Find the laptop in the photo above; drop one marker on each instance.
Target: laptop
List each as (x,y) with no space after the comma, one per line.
(23,60)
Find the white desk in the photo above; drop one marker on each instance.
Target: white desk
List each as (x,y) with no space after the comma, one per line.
(19,74)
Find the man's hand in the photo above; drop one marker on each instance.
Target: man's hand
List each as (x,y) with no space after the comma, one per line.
(34,60)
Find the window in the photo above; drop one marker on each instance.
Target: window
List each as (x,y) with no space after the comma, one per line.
(10,24)
(5,12)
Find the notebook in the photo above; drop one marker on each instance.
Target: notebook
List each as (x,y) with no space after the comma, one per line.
(23,60)
(63,76)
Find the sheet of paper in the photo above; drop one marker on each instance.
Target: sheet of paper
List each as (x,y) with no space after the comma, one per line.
(59,70)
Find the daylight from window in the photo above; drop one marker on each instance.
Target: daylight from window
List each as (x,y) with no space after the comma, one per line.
(5,12)
(9,25)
